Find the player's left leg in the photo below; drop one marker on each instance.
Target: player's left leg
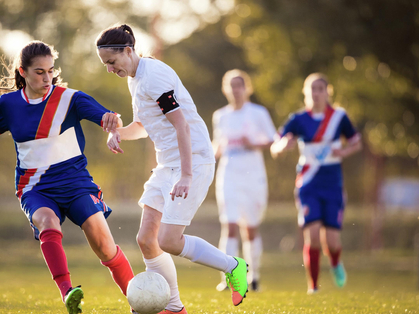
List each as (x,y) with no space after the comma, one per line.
(334,209)
(197,250)
(334,249)
(252,252)
(102,243)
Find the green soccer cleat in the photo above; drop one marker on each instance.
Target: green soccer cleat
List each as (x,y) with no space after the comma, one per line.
(72,300)
(237,280)
(339,275)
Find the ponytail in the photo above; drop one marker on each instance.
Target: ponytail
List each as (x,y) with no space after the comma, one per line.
(116,37)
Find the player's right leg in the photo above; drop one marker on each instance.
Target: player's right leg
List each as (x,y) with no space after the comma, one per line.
(155,258)
(45,217)
(229,244)
(311,254)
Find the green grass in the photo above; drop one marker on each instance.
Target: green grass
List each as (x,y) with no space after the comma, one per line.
(380,283)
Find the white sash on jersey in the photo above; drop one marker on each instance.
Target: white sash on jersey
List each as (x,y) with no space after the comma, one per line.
(55,148)
(316,154)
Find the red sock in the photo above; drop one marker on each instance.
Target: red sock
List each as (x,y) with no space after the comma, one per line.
(334,257)
(312,263)
(120,269)
(54,255)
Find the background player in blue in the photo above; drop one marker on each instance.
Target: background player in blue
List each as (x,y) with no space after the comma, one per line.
(319,184)
(52,181)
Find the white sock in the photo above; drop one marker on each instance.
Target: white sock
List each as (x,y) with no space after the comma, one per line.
(164,265)
(230,246)
(252,252)
(201,252)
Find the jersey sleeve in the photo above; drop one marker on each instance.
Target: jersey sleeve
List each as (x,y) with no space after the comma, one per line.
(267,125)
(291,126)
(161,87)
(215,126)
(3,125)
(88,108)
(347,128)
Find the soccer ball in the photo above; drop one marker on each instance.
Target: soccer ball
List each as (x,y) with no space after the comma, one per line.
(148,293)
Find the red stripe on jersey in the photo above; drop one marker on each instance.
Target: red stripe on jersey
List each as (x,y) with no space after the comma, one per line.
(299,178)
(323,125)
(49,113)
(24,180)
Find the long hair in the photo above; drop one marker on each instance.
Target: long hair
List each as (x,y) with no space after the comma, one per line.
(13,80)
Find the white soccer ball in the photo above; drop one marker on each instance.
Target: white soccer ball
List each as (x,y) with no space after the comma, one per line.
(148,293)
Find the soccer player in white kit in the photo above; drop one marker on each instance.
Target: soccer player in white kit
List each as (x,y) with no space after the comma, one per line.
(164,110)
(242,130)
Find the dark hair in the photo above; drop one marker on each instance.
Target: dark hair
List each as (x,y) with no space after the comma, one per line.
(24,59)
(116,35)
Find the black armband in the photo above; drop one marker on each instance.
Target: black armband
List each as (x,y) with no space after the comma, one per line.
(167,102)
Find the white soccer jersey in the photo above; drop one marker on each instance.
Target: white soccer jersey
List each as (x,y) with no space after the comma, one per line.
(152,79)
(230,126)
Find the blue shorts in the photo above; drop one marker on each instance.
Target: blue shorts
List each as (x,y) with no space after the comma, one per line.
(320,204)
(77,205)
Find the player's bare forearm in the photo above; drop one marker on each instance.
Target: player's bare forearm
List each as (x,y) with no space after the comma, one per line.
(352,148)
(177,119)
(133,131)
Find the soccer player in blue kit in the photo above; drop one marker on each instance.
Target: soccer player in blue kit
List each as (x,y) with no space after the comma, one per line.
(52,181)
(319,184)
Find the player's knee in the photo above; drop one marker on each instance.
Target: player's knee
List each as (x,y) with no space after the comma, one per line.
(146,243)
(47,222)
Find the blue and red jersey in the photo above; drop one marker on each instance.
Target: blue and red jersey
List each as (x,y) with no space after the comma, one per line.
(48,138)
(318,135)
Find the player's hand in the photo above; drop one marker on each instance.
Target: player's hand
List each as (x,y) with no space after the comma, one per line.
(341,152)
(114,139)
(109,121)
(291,141)
(181,188)
(246,143)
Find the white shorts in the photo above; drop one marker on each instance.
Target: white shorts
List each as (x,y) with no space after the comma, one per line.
(241,197)
(180,211)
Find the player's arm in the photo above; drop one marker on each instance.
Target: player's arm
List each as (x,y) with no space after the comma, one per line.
(353,143)
(177,119)
(352,146)
(133,131)
(283,144)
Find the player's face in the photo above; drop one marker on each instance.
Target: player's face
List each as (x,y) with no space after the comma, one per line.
(119,63)
(238,89)
(38,76)
(319,93)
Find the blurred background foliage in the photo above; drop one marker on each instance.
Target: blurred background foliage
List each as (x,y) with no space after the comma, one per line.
(369,49)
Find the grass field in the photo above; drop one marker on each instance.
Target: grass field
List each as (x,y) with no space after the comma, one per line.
(384,282)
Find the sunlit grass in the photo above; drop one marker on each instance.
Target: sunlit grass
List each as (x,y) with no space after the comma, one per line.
(384,283)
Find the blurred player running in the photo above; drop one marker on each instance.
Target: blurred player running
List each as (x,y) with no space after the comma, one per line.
(241,131)
(52,181)
(319,184)
(164,110)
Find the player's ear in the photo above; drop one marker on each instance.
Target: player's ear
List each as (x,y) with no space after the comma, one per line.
(22,72)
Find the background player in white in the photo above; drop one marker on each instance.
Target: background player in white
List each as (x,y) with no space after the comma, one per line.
(319,185)
(164,110)
(241,131)
(52,181)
